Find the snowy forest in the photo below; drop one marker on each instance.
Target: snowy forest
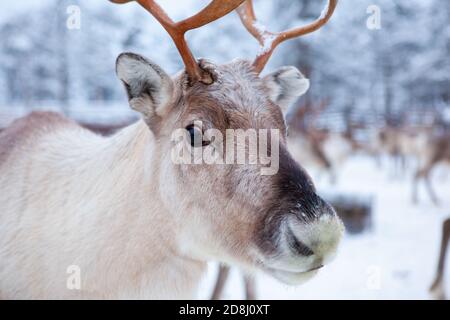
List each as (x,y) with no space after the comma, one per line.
(388,69)
(377,110)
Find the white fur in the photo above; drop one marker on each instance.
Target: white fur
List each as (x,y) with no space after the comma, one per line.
(135,71)
(122,239)
(286,85)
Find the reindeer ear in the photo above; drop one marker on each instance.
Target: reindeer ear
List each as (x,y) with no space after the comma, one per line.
(285,86)
(149,88)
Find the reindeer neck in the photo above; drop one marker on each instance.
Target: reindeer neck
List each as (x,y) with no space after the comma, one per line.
(144,230)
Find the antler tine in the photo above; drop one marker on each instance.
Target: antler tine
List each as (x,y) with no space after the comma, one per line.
(177,30)
(247,14)
(270,40)
(215,10)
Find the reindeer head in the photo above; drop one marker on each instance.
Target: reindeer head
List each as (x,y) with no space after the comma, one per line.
(252,213)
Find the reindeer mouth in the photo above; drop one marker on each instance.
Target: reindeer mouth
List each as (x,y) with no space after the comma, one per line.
(291,277)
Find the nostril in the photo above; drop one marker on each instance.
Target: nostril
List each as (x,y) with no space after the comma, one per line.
(296,245)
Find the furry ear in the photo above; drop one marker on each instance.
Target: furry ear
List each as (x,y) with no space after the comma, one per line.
(149,88)
(285,86)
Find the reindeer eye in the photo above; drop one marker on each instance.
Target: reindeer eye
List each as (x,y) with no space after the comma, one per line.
(196,136)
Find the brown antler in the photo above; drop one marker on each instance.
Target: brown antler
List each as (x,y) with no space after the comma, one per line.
(177,30)
(270,40)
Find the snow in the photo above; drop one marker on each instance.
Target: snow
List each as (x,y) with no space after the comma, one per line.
(324,12)
(268,40)
(87,55)
(446,114)
(396,259)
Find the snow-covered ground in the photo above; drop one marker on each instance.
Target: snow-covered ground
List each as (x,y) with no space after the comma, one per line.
(395,260)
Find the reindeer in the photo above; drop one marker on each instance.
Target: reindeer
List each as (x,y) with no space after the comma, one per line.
(133,223)
(436,150)
(315,147)
(387,143)
(437,287)
(222,278)
(402,144)
(306,142)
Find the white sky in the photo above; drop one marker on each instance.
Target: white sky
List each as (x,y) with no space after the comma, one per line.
(11,7)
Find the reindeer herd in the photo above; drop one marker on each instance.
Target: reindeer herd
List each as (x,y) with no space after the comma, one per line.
(138,225)
(408,148)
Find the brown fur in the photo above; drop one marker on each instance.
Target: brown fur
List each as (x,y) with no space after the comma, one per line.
(231,90)
(437,287)
(437,151)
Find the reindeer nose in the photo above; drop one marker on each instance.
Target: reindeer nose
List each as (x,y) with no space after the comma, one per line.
(311,207)
(318,237)
(296,245)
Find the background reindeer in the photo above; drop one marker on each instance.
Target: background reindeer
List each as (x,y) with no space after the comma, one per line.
(139,225)
(306,142)
(437,287)
(317,147)
(222,278)
(436,151)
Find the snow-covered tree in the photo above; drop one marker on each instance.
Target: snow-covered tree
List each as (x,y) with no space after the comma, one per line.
(402,65)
